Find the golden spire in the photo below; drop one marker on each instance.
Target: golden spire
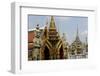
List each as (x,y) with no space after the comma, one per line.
(52,23)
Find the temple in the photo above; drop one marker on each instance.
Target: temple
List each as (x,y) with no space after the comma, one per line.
(77,48)
(47,44)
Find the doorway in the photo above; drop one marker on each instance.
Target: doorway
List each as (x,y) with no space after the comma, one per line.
(46,54)
(61,53)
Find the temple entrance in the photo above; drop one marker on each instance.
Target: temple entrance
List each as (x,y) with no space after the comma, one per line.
(46,54)
(61,53)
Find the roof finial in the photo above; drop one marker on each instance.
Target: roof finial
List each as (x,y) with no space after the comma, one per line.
(77,29)
(64,36)
(47,22)
(86,39)
(77,35)
(58,30)
(52,23)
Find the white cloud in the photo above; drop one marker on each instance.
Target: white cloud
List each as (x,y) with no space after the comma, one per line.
(84,33)
(63,18)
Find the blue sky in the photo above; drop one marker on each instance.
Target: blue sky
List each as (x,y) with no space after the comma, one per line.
(66,24)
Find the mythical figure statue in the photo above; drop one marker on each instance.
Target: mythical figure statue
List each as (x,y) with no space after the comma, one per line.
(36,44)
